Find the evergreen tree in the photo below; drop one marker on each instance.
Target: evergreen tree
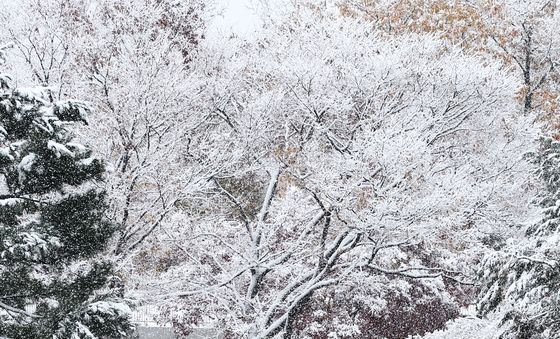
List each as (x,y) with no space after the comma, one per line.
(52,224)
(524,283)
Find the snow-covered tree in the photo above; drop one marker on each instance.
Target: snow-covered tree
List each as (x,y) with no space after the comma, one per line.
(519,33)
(139,75)
(53,224)
(343,168)
(131,58)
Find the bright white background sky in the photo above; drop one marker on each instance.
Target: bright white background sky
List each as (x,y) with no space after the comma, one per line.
(237,16)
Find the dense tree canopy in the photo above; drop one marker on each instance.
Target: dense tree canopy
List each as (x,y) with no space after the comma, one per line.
(352,169)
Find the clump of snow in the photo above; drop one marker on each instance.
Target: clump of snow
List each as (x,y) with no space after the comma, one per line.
(77,148)
(468,327)
(5,152)
(86,161)
(10,201)
(31,245)
(59,149)
(81,107)
(110,307)
(25,165)
(37,93)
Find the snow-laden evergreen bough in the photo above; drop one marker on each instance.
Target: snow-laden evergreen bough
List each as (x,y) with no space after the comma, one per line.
(52,224)
(523,281)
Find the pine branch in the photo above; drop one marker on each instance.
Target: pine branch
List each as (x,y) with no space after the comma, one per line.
(9,308)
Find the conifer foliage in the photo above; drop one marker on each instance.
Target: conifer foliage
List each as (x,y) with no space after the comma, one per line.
(523,282)
(52,224)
